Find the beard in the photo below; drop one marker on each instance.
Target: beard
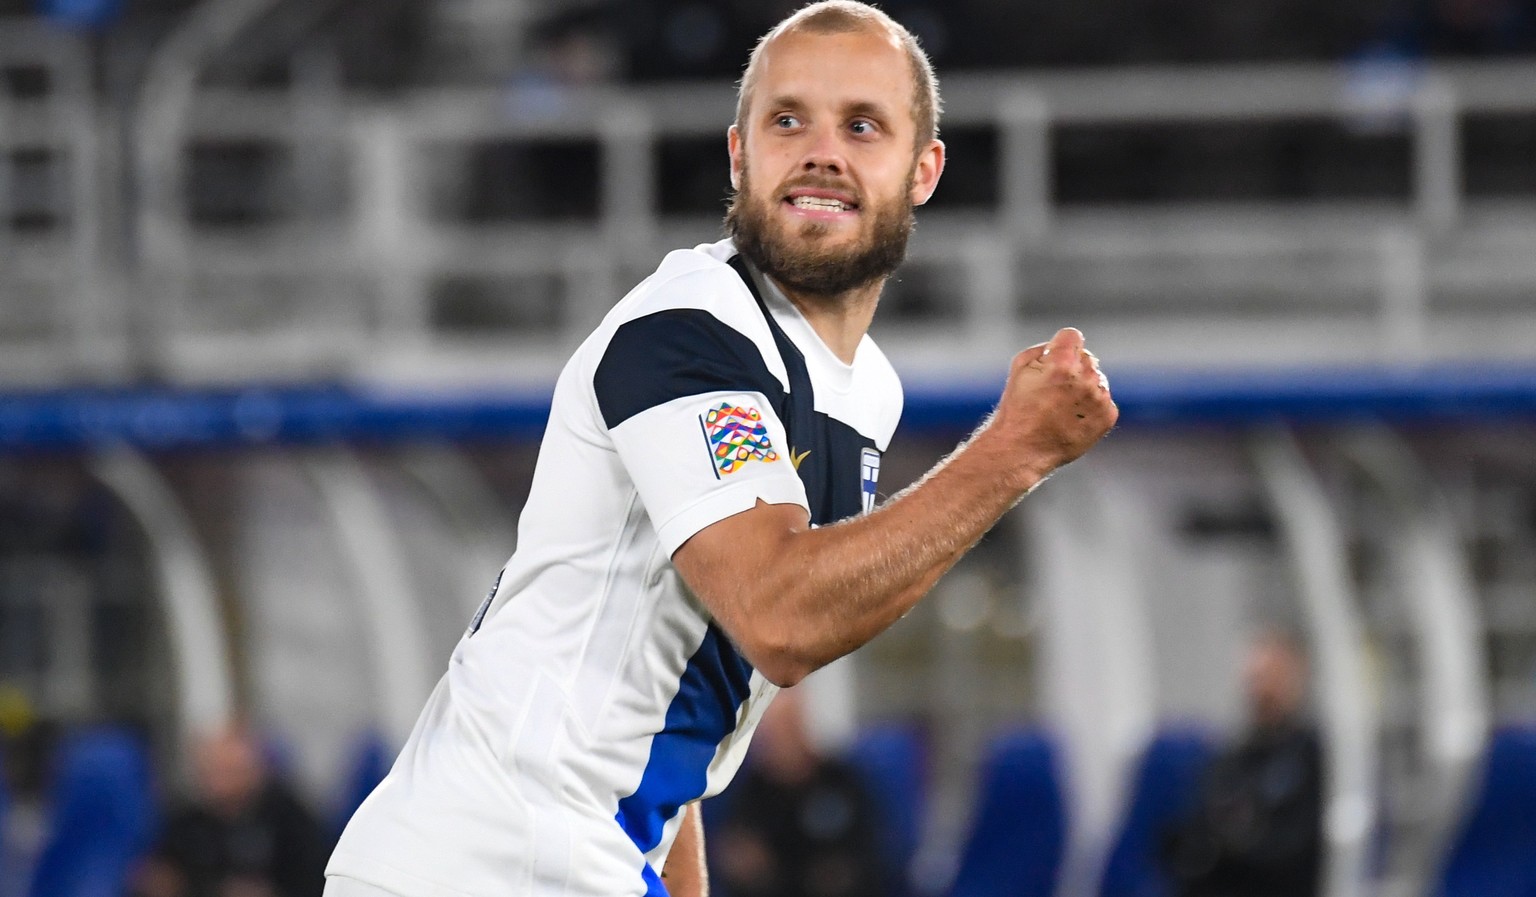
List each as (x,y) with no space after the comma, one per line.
(800,263)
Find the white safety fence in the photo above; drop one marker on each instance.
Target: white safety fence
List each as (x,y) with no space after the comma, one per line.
(346,280)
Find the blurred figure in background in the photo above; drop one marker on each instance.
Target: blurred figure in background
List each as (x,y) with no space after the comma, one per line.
(1418,29)
(244,834)
(1256,830)
(25,742)
(100,812)
(798,823)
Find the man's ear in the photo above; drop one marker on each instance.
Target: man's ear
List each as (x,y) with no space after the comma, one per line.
(733,146)
(926,171)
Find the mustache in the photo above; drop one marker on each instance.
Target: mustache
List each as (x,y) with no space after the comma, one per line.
(821,183)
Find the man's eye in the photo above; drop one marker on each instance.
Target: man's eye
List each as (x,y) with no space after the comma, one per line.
(862,127)
(787,121)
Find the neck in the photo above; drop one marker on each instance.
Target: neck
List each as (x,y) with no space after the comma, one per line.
(841,320)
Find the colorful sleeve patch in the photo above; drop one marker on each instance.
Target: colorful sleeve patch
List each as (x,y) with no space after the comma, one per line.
(736,435)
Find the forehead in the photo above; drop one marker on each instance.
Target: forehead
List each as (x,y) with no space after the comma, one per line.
(867,66)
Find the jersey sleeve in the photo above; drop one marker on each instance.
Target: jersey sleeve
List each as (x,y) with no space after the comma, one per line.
(690,405)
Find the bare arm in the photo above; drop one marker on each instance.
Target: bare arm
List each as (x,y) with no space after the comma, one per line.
(816,594)
(684,872)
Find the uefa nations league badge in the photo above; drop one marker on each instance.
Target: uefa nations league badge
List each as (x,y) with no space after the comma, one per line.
(869,476)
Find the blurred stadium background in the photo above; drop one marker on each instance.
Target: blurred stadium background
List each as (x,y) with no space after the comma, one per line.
(284,285)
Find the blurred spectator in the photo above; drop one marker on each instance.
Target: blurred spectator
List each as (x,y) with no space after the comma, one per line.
(1257,828)
(575,46)
(101,813)
(798,823)
(1458,28)
(245,834)
(26,743)
(546,179)
(692,40)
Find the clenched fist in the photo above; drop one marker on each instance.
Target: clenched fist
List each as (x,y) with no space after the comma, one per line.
(1056,404)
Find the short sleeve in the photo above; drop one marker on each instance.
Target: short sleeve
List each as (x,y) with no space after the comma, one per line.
(692,411)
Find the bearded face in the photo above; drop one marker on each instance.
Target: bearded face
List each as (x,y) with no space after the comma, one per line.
(805,256)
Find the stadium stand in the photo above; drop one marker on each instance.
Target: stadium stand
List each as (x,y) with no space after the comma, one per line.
(370,761)
(1164,790)
(1494,855)
(894,761)
(103,811)
(1019,831)
(7,861)
(349,233)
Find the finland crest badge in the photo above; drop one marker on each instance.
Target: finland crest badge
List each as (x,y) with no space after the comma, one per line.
(869,476)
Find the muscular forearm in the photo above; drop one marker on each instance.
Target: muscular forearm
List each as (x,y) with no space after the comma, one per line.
(810,596)
(684,873)
(838,586)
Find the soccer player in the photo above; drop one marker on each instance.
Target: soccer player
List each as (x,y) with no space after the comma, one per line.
(702,528)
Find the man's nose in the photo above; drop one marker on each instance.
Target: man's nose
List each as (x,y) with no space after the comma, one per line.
(825,153)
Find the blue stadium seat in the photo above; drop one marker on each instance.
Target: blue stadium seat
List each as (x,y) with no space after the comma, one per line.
(371,758)
(7,872)
(278,754)
(1494,855)
(1166,787)
(893,760)
(103,815)
(1016,845)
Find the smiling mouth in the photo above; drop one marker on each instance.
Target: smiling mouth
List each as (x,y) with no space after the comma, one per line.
(821,204)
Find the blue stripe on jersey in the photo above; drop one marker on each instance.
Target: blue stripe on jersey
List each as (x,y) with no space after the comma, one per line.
(831,450)
(713,687)
(832,473)
(674,353)
(653,885)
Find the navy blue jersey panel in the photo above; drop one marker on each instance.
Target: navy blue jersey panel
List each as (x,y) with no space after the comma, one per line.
(826,452)
(679,352)
(830,456)
(801,407)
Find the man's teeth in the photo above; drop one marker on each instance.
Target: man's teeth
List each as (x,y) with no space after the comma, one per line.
(819,203)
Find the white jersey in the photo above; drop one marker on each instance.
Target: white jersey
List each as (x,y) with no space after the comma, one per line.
(593,695)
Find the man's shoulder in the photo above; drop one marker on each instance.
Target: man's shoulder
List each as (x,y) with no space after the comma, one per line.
(185,816)
(698,279)
(876,367)
(696,300)
(873,400)
(280,801)
(691,324)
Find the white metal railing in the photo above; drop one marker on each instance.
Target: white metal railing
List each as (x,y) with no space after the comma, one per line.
(1099,683)
(1433,591)
(1314,544)
(65,271)
(390,615)
(194,619)
(359,287)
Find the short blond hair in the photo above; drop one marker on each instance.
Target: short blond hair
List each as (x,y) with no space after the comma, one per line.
(841,17)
